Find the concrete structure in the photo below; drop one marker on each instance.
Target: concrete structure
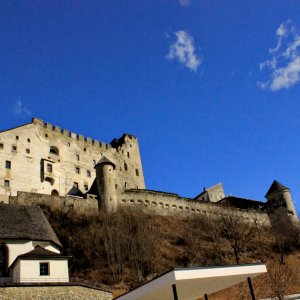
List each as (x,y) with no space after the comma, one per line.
(193,283)
(44,164)
(29,248)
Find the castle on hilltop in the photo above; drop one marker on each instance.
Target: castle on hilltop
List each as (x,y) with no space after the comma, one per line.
(41,163)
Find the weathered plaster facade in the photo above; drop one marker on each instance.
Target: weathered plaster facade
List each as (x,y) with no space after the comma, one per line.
(41,158)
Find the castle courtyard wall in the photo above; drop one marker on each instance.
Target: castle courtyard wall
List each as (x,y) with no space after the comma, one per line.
(168,203)
(80,205)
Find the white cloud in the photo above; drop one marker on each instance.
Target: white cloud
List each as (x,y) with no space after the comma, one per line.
(20,110)
(185,3)
(183,50)
(284,63)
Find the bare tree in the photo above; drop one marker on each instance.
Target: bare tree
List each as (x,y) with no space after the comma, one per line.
(280,279)
(238,232)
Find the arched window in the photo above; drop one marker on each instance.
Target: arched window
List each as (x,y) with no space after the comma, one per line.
(54,193)
(54,150)
(3,260)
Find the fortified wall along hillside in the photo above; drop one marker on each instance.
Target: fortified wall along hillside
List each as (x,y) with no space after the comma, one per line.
(44,164)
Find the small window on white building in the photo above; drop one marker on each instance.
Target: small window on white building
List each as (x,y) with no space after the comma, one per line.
(17,137)
(1,146)
(137,172)
(13,148)
(28,140)
(125,167)
(6,183)
(44,269)
(27,150)
(77,169)
(7,164)
(88,173)
(77,157)
(86,186)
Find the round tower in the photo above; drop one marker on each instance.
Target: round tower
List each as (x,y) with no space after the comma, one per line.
(105,179)
(281,202)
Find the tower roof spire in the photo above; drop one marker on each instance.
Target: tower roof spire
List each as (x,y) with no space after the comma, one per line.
(276,187)
(105,161)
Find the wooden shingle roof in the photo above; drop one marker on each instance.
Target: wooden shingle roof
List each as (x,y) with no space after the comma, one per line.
(26,223)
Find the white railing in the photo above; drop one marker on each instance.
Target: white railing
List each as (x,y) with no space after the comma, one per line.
(44,279)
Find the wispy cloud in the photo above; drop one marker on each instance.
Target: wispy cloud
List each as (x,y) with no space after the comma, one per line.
(284,64)
(20,110)
(183,50)
(185,3)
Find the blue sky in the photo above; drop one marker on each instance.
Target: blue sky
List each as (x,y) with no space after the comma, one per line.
(211,88)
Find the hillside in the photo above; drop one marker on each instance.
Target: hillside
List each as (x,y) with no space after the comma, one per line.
(124,249)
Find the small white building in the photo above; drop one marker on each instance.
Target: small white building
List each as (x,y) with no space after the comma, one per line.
(30,251)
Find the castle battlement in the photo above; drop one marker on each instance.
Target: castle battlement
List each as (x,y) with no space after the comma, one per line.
(70,135)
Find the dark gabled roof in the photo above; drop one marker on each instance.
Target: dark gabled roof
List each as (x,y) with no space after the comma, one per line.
(276,187)
(40,252)
(25,222)
(74,191)
(242,202)
(93,189)
(105,161)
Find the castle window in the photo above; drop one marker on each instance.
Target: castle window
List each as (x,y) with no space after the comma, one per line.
(76,185)
(17,137)
(77,169)
(1,146)
(44,269)
(125,184)
(28,140)
(49,168)
(88,173)
(27,150)
(128,155)
(125,167)
(86,187)
(13,148)
(54,150)
(84,149)
(8,164)
(137,172)
(77,157)
(6,183)
(46,135)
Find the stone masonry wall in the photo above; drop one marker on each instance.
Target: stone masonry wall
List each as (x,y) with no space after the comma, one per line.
(167,203)
(53,293)
(80,205)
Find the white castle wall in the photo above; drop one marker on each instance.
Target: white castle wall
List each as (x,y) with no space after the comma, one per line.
(27,148)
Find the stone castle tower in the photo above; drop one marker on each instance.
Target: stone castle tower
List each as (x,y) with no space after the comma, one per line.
(41,158)
(106,187)
(280,201)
